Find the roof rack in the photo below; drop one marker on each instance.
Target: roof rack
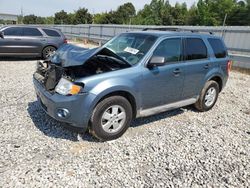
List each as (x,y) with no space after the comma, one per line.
(162,29)
(175,29)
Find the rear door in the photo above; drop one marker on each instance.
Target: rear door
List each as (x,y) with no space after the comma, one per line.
(197,65)
(163,84)
(11,44)
(32,41)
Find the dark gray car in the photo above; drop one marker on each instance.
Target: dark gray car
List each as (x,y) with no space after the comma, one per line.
(30,41)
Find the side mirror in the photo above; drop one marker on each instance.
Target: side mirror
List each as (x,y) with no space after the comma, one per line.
(1,34)
(156,61)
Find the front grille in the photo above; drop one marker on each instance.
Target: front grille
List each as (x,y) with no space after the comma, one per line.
(52,77)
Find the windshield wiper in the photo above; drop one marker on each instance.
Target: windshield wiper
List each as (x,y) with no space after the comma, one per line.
(114,59)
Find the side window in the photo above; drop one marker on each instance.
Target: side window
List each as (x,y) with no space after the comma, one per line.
(195,49)
(171,49)
(51,33)
(13,31)
(31,32)
(218,48)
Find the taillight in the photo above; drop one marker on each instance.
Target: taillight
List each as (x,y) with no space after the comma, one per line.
(65,41)
(229,66)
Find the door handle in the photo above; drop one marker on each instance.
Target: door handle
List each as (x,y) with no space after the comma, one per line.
(43,40)
(17,39)
(206,66)
(177,71)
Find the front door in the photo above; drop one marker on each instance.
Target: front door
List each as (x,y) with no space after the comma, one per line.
(12,41)
(163,84)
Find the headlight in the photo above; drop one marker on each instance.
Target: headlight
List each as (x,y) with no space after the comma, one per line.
(65,87)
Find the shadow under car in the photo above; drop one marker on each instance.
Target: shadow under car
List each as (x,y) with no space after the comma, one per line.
(52,128)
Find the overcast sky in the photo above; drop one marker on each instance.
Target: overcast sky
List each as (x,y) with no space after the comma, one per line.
(49,7)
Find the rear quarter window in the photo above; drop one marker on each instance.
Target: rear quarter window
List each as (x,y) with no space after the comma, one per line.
(195,49)
(51,33)
(218,47)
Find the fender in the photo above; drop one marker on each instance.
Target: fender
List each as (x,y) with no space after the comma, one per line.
(214,72)
(114,85)
(50,44)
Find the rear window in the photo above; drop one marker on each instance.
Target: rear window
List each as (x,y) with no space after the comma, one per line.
(218,48)
(195,49)
(31,32)
(51,33)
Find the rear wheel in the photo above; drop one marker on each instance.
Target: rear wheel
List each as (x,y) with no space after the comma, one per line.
(48,51)
(111,118)
(208,96)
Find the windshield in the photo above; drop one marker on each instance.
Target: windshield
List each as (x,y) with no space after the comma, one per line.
(132,47)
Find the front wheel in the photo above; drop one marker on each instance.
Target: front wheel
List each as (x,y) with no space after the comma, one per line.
(208,96)
(111,118)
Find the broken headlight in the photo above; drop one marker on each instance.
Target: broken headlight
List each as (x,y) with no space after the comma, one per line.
(66,87)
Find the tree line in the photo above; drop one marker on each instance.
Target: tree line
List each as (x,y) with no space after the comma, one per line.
(158,12)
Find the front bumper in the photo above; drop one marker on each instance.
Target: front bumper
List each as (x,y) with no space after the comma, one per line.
(79,106)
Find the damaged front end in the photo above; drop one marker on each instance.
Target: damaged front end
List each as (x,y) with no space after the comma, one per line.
(48,74)
(72,63)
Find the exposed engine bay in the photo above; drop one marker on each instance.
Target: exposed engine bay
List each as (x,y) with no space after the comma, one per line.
(49,73)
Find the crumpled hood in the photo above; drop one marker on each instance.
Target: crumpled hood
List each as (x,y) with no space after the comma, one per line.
(69,55)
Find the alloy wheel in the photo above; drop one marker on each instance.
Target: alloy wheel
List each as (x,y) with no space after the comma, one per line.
(113,119)
(210,97)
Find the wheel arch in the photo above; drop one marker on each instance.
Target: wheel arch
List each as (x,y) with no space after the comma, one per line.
(126,94)
(217,79)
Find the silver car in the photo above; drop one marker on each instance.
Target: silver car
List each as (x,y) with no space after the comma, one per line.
(30,41)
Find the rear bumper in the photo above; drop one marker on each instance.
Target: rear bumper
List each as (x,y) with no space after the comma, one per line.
(78,106)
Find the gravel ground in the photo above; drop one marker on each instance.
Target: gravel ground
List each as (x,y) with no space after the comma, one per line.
(180,148)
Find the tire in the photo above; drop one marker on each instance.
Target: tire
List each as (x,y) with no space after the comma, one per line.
(106,122)
(205,102)
(47,51)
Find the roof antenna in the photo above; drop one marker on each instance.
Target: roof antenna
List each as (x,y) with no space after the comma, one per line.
(223,27)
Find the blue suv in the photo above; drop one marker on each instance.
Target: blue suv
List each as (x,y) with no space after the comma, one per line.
(135,74)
